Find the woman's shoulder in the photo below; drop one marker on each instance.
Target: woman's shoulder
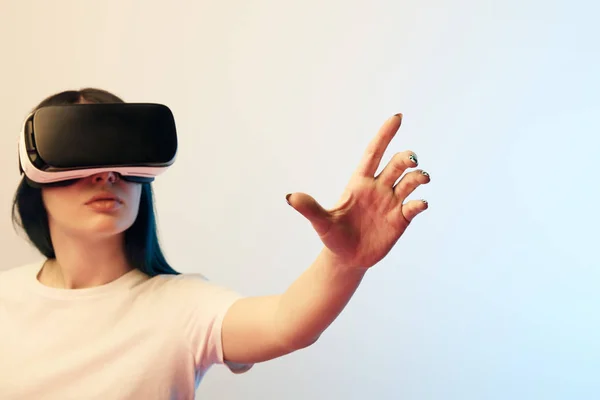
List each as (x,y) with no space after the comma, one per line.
(190,283)
(191,294)
(14,278)
(180,280)
(20,272)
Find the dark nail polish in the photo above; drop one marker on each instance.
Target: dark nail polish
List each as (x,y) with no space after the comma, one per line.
(287,198)
(425,173)
(413,158)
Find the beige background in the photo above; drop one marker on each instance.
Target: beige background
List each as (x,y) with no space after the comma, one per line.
(492,294)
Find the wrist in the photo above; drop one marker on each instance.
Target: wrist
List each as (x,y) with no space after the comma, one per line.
(340,266)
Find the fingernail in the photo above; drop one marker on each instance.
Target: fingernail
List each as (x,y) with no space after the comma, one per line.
(287,198)
(425,173)
(413,158)
(425,201)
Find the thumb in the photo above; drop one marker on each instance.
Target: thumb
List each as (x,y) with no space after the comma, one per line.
(311,210)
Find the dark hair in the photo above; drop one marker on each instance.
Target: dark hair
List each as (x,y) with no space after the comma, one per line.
(142,247)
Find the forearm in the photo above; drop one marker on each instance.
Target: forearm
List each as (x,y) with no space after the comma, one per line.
(315,300)
(258,329)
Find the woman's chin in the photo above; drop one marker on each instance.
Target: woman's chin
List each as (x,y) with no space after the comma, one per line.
(105,228)
(91,228)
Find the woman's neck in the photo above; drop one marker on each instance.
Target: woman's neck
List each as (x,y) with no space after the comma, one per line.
(82,263)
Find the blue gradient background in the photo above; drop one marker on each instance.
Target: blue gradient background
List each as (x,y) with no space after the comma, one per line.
(493,292)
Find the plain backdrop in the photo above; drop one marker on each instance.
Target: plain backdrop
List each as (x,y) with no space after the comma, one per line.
(491,294)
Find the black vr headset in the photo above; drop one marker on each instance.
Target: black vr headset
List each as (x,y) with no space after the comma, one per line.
(62,144)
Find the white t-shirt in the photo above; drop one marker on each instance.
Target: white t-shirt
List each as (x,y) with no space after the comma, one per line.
(134,338)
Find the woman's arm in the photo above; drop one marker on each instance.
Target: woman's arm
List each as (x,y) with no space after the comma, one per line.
(258,329)
(357,233)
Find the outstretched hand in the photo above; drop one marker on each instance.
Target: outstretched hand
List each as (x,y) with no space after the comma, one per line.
(372,213)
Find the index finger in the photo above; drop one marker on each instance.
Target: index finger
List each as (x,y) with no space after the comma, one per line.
(378,145)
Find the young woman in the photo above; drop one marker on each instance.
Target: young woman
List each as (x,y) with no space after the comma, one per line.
(104,316)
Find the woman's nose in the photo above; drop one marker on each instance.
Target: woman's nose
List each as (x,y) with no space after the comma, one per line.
(110,177)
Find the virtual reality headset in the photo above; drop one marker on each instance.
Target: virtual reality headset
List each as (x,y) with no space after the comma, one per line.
(62,144)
